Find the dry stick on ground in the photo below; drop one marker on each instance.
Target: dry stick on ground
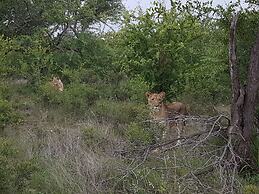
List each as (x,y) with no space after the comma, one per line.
(215,128)
(190,142)
(227,174)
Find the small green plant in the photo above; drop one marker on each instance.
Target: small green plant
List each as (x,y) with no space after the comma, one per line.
(76,97)
(4,92)
(251,189)
(93,137)
(138,135)
(7,114)
(133,89)
(15,173)
(80,75)
(49,94)
(143,180)
(121,112)
(255,148)
(79,96)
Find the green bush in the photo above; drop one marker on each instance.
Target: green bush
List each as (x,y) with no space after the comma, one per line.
(35,61)
(121,112)
(138,135)
(79,96)
(93,137)
(143,180)
(4,92)
(132,89)
(9,56)
(49,94)
(7,114)
(42,182)
(251,189)
(80,75)
(15,173)
(7,171)
(25,56)
(76,97)
(255,148)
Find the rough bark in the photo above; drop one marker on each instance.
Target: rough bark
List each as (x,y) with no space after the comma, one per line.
(250,100)
(234,72)
(243,99)
(237,92)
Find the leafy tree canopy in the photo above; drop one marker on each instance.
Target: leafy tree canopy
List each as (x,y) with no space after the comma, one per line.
(57,16)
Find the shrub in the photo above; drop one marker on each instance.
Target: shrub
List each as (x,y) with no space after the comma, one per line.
(93,137)
(75,98)
(120,112)
(79,96)
(7,171)
(9,57)
(4,92)
(132,89)
(49,94)
(7,114)
(143,180)
(255,148)
(138,135)
(251,189)
(81,75)
(15,174)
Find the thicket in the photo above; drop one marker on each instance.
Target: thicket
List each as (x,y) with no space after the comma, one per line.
(181,50)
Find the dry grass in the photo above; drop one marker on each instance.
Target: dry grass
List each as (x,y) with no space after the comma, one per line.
(77,159)
(87,156)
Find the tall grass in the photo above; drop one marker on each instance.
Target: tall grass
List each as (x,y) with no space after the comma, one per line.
(71,159)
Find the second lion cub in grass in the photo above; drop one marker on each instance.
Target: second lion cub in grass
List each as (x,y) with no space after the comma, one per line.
(57,84)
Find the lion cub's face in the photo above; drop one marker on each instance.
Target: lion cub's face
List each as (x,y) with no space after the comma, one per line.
(155,99)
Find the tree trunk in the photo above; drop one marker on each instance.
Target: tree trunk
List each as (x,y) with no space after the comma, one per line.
(236,108)
(250,101)
(243,100)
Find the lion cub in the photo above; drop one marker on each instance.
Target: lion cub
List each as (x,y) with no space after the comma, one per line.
(57,84)
(160,110)
(162,113)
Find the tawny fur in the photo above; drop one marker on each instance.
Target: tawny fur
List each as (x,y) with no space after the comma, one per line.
(160,110)
(162,113)
(57,84)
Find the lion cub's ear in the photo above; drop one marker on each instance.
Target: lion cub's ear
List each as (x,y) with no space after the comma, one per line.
(54,79)
(162,94)
(147,94)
